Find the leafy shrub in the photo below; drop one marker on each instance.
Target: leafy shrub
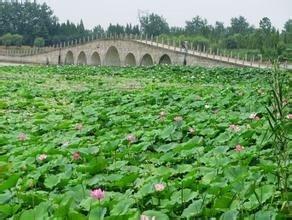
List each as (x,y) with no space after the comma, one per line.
(39,42)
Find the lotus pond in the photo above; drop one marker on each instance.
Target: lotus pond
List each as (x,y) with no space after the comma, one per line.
(137,143)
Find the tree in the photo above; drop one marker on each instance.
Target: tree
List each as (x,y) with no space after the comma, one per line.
(136,29)
(30,20)
(132,29)
(177,31)
(200,41)
(80,29)
(39,42)
(115,29)
(218,31)
(17,40)
(256,39)
(288,26)
(198,26)
(128,29)
(6,39)
(231,42)
(154,24)
(265,25)
(288,31)
(269,36)
(98,30)
(239,25)
(11,39)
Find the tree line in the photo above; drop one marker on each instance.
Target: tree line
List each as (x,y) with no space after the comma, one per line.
(30,23)
(27,23)
(240,35)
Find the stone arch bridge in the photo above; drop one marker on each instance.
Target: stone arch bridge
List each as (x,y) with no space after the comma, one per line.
(124,51)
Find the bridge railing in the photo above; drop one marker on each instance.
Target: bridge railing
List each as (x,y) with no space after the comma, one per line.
(201,51)
(188,49)
(20,52)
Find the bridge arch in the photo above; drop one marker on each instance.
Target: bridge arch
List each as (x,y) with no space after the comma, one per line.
(95,59)
(82,60)
(112,57)
(165,60)
(130,60)
(146,60)
(69,58)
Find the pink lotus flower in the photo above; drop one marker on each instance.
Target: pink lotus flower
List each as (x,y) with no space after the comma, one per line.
(239,148)
(79,127)
(234,128)
(289,116)
(42,157)
(131,138)
(159,187)
(76,156)
(254,116)
(97,194)
(22,137)
(178,119)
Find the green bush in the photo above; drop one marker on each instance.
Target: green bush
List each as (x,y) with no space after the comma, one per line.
(39,42)
(11,39)
(231,43)
(6,39)
(17,40)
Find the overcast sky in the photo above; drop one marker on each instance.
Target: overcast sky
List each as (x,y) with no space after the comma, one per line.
(176,12)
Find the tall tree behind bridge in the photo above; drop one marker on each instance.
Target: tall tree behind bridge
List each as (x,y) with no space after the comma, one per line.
(288,31)
(154,24)
(32,20)
(239,25)
(28,19)
(198,26)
